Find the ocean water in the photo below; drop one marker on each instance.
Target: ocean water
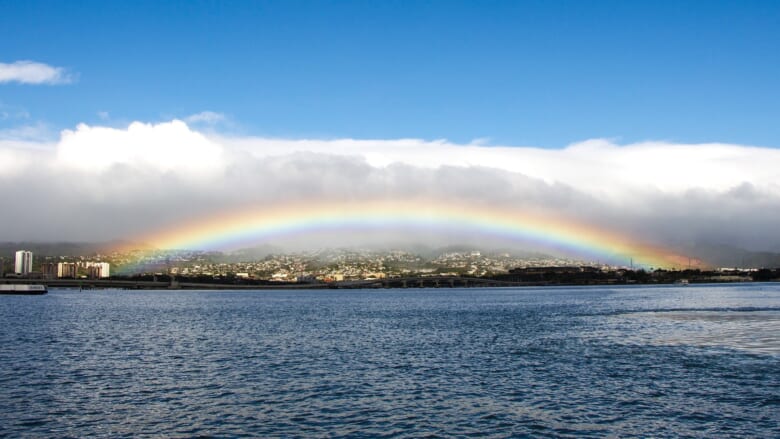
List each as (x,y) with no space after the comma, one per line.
(698,361)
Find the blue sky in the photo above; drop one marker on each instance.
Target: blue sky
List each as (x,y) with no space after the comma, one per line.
(518,73)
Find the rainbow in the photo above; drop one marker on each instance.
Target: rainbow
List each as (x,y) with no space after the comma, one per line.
(253,226)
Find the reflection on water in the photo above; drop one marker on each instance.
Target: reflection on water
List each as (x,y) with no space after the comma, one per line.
(756,331)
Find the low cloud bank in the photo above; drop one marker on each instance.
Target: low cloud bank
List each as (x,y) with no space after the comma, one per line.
(100,183)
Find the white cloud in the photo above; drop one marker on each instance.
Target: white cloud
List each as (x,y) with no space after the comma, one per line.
(38,132)
(31,72)
(596,166)
(481,141)
(165,147)
(205,117)
(8,112)
(100,182)
(103,115)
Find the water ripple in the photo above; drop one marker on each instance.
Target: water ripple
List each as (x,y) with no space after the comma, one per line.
(700,361)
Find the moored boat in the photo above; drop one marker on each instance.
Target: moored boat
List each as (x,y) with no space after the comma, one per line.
(23,289)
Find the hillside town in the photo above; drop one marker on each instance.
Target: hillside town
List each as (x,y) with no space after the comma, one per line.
(334,266)
(322,265)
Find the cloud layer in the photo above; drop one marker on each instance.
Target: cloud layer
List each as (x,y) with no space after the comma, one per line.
(98,183)
(31,72)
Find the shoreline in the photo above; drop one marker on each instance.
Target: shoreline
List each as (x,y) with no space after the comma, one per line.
(392,283)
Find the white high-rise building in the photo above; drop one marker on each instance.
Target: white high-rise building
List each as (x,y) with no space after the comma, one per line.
(23,262)
(67,269)
(100,269)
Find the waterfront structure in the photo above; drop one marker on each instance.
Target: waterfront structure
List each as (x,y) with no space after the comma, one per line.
(93,272)
(24,261)
(49,270)
(98,270)
(67,270)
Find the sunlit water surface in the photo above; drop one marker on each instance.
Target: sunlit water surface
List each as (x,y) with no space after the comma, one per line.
(698,361)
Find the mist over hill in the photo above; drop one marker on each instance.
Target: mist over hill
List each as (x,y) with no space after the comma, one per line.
(64,248)
(729,256)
